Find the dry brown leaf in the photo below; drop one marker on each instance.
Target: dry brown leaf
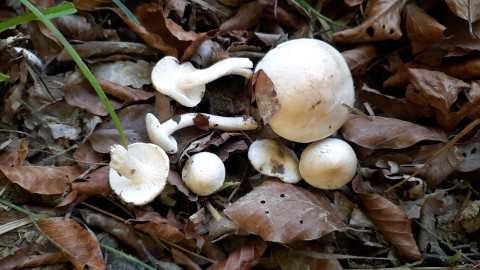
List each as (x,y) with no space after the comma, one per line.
(95,51)
(383,132)
(389,218)
(94,184)
(91,4)
(181,258)
(358,58)
(244,258)
(139,242)
(79,28)
(247,16)
(422,29)
(265,95)
(80,246)
(471,151)
(462,9)
(394,107)
(381,22)
(294,257)
(33,256)
(41,180)
(132,119)
(263,212)
(15,157)
(352,3)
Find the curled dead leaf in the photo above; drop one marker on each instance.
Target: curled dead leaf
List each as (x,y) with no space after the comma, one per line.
(422,29)
(389,218)
(265,95)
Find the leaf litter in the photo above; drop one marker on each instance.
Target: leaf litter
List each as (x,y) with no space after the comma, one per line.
(415,66)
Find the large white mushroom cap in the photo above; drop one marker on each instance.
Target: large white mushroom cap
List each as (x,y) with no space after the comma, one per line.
(203,173)
(311,80)
(328,164)
(273,159)
(138,175)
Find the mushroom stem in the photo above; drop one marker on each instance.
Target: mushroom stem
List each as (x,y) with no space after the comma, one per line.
(161,134)
(126,164)
(229,66)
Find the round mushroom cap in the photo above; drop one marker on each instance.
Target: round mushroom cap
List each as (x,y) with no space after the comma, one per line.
(311,81)
(138,175)
(167,75)
(328,164)
(203,173)
(271,158)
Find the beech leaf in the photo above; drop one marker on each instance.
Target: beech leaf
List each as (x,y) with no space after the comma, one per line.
(461,9)
(244,258)
(383,132)
(79,245)
(381,22)
(422,29)
(358,58)
(265,95)
(389,218)
(281,212)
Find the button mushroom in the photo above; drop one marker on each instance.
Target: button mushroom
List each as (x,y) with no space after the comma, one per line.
(311,80)
(273,159)
(203,173)
(138,174)
(185,84)
(161,134)
(328,164)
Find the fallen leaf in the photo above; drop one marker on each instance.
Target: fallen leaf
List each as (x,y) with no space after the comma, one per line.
(389,218)
(308,215)
(465,9)
(265,95)
(41,180)
(471,152)
(125,73)
(94,184)
(246,16)
(244,258)
(422,29)
(33,256)
(80,245)
(381,22)
(90,4)
(77,27)
(101,51)
(132,119)
(382,132)
(358,58)
(15,157)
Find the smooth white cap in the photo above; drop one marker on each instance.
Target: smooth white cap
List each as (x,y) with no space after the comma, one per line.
(271,158)
(328,164)
(138,175)
(311,80)
(203,173)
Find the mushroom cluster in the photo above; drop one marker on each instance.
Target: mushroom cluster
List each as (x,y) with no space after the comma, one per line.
(312,84)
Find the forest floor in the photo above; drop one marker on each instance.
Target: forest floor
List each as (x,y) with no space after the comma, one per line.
(414,201)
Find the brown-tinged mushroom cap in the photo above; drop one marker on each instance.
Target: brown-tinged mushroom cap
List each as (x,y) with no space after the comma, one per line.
(186,84)
(328,164)
(273,159)
(138,174)
(311,81)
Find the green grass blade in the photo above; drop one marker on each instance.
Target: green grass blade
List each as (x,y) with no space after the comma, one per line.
(126,11)
(83,67)
(4,77)
(49,13)
(306,6)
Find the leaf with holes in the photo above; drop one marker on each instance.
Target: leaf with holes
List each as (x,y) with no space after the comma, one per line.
(284,213)
(81,247)
(381,22)
(389,218)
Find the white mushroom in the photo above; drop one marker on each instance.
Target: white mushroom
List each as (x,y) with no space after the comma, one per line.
(185,84)
(312,81)
(161,134)
(138,174)
(328,164)
(273,159)
(203,173)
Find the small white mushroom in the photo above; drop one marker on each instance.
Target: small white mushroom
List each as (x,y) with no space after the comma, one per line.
(312,82)
(328,164)
(271,158)
(138,174)
(161,134)
(203,173)
(186,84)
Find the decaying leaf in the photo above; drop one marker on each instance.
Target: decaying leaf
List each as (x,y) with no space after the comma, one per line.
(33,256)
(465,9)
(284,213)
(265,95)
(422,29)
(247,16)
(358,58)
(80,245)
(244,258)
(389,218)
(381,22)
(41,180)
(471,152)
(383,132)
